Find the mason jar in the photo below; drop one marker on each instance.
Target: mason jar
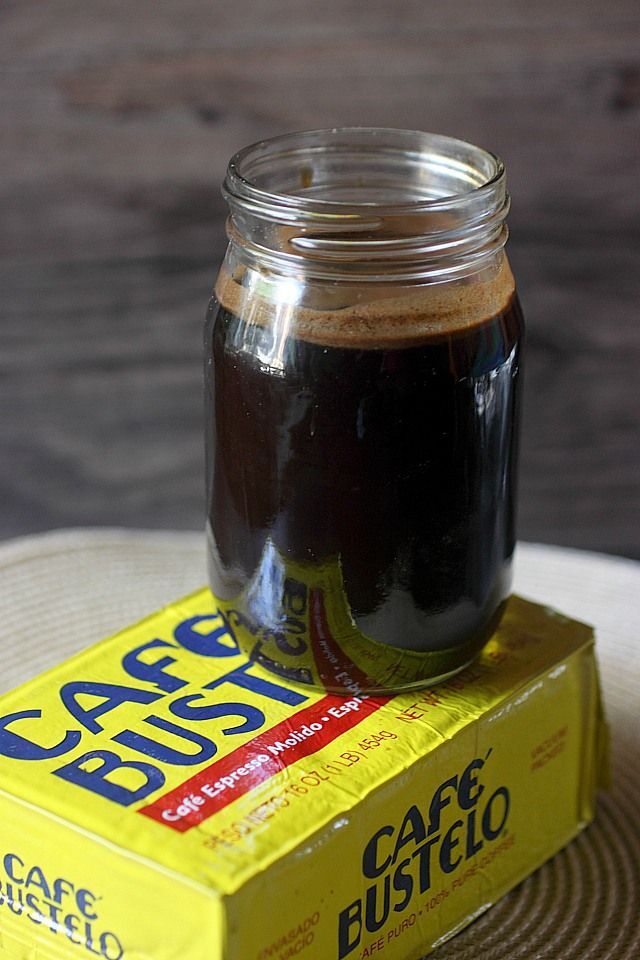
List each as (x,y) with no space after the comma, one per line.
(363,358)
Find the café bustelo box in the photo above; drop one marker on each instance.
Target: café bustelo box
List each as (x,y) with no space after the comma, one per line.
(162,796)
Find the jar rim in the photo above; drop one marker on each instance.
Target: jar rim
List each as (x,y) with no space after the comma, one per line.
(241,186)
(368,201)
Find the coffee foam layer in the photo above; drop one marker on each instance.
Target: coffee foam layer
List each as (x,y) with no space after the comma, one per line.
(372,315)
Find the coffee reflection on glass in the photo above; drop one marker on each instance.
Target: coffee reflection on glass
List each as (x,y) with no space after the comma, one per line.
(363,352)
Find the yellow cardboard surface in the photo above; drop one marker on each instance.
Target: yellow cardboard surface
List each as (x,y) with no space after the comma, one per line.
(163,796)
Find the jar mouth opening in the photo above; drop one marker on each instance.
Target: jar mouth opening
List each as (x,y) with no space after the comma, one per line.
(368,201)
(361,172)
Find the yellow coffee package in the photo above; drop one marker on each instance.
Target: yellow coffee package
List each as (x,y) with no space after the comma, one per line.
(164,796)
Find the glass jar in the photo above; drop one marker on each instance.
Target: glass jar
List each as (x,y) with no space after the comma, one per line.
(363,352)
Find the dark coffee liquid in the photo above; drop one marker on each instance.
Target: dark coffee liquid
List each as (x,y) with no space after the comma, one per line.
(399,462)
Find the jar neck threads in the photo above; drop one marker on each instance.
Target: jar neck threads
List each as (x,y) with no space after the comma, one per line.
(367,203)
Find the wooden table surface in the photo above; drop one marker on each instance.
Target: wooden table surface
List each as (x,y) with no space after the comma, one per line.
(117,122)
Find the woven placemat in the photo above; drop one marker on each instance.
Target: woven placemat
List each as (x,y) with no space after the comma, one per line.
(60,592)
